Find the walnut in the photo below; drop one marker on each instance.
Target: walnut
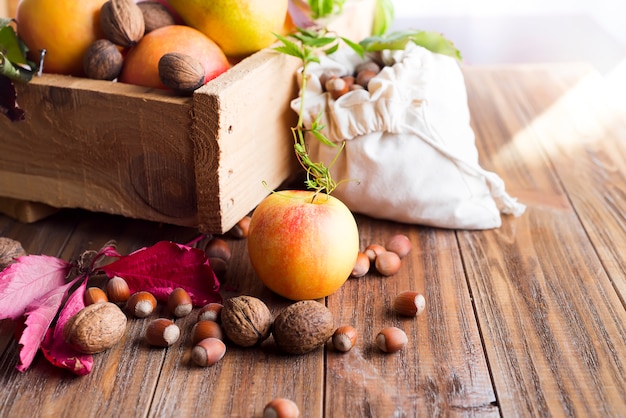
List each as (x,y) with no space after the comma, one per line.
(10,249)
(102,60)
(155,15)
(95,328)
(303,327)
(122,22)
(246,320)
(180,72)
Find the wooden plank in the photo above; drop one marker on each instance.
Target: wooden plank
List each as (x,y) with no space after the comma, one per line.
(551,321)
(82,146)
(122,380)
(443,370)
(246,378)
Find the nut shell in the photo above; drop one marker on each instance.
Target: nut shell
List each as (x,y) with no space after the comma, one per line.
(162,332)
(281,408)
(409,303)
(122,22)
(102,60)
(95,328)
(208,351)
(155,15)
(94,295)
(179,302)
(246,320)
(303,326)
(206,329)
(117,290)
(9,250)
(141,304)
(181,72)
(391,339)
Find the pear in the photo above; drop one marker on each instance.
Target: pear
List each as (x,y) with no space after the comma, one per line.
(239,27)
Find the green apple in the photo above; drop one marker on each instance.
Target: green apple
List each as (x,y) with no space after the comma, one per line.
(239,27)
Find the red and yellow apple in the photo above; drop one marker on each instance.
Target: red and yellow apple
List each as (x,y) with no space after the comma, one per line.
(65,29)
(300,247)
(141,63)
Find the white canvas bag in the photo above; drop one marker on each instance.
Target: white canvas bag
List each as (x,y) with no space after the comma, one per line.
(409,146)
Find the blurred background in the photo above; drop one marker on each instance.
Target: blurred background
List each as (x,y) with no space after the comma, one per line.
(513,31)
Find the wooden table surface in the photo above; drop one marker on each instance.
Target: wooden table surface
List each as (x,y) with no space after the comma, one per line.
(525,320)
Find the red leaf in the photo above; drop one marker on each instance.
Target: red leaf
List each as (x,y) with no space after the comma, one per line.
(54,347)
(39,315)
(165,266)
(28,280)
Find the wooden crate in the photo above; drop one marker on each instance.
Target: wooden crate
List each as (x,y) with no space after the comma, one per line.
(199,161)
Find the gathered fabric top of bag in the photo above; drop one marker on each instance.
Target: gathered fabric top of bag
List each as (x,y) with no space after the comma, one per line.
(408,140)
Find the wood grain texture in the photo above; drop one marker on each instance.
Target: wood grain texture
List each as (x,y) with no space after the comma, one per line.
(551,320)
(524,320)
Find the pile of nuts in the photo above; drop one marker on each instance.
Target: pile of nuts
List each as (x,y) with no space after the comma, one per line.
(338,86)
(387,259)
(124,23)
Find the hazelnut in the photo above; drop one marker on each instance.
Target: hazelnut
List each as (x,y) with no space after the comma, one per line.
(361,266)
(336,87)
(388,263)
(122,22)
(373,250)
(302,327)
(95,295)
(208,352)
(162,332)
(391,339)
(179,302)
(240,230)
(369,66)
(344,338)
(409,303)
(210,312)
(181,72)
(205,329)
(117,290)
(399,244)
(218,248)
(281,408)
(141,304)
(218,266)
(363,77)
(246,320)
(95,328)
(102,60)
(155,15)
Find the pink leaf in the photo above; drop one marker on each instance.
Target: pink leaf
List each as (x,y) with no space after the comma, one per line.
(39,315)
(54,347)
(165,266)
(27,280)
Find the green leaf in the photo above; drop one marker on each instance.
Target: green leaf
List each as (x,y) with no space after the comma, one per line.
(322,138)
(289,48)
(383,17)
(12,47)
(433,41)
(324,8)
(355,47)
(13,72)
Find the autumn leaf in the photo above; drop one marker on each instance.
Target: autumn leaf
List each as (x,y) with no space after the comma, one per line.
(161,268)
(39,315)
(54,347)
(28,280)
